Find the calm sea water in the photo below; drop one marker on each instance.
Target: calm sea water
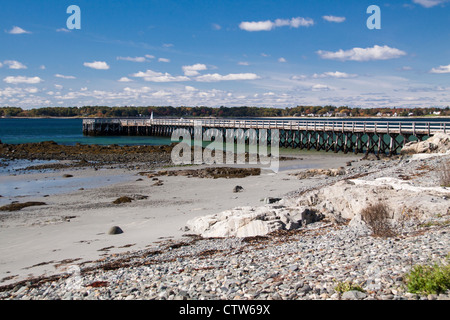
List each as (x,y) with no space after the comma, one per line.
(63,131)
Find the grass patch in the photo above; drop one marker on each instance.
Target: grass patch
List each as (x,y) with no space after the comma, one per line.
(429,279)
(342,287)
(377,219)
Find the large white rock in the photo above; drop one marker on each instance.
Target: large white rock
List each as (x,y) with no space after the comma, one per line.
(247,222)
(438,143)
(344,200)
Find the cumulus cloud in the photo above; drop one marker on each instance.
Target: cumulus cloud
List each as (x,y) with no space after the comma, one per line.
(21,79)
(363,54)
(334,19)
(163,60)
(13,64)
(441,69)
(194,69)
(64,77)
(125,79)
(282,60)
(269,25)
(320,87)
(229,77)
(153,76)
(17,30)
(337,75)
(430,3)
(99,65)
(132,59)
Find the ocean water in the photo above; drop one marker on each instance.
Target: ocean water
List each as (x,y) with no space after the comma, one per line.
(63,131)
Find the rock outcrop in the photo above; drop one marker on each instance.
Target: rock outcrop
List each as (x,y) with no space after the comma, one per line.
(438,143)
(250,222)
(341,202)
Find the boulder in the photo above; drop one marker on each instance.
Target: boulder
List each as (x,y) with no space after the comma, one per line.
(438,143)
(243,222)
(238,189)
(115,230)
(353,295)
(270,200)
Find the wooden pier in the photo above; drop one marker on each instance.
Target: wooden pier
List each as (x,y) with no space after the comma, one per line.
(336,136)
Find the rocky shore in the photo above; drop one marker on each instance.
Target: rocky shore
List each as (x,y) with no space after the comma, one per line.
(335,256)
(81,155)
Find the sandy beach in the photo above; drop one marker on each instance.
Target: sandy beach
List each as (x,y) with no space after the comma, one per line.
(72,227)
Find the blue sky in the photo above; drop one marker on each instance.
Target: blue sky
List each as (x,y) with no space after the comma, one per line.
(230,53)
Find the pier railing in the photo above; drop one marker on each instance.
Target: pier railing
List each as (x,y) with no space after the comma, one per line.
(410,127)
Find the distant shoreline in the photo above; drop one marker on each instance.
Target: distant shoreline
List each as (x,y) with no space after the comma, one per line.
(284,117)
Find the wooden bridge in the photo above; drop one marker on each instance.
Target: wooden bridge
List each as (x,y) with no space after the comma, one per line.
(337,136)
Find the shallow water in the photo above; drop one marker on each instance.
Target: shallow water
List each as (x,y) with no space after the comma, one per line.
(13,189)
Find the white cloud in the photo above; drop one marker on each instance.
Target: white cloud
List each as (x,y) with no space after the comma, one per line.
(269,25)
(216,26)
(243,63)
(99,65)
(282,60)
(64,77)
(125,79)
(149,56)
(320,87)
(430,3)
(12,64)
(190,89)
(17,30)
(167,45)
(42,67)
(230,77)
(132,59)
(300,77)
(62,30)
(163,60)
(441,69)
(337,75)
(32,90)
(1,65)
(153,76)
(334,19)
(21,79)
(194,69)
(361,54)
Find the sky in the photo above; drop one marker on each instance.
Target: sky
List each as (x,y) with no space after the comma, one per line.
(225,53)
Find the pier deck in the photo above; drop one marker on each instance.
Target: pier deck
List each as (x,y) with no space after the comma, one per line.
(346,136)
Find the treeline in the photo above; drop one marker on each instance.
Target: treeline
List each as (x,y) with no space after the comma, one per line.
(222,112)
